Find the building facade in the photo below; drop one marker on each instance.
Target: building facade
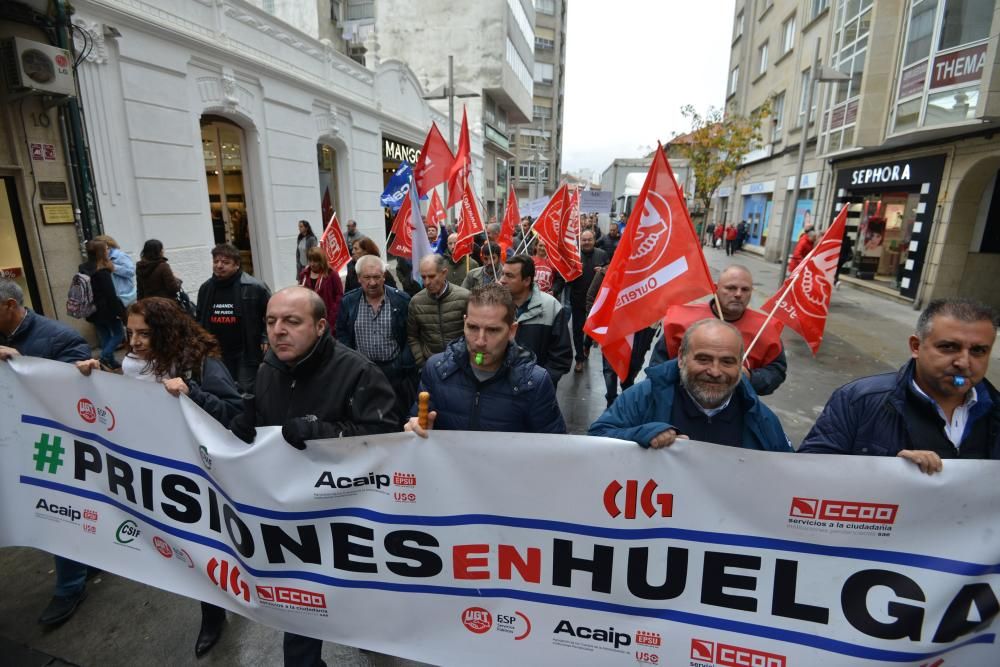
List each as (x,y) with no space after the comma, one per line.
(907,142)
(208,122)
(538,145)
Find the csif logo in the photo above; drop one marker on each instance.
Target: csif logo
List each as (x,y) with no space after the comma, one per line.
(727,655)
(127,532)
(648,500)
(477,620)
(843,510)
(227,577)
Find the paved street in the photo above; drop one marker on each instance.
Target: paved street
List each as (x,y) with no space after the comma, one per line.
(123,623)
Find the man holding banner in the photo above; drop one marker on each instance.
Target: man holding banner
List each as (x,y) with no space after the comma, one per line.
(700,396)
(939,405)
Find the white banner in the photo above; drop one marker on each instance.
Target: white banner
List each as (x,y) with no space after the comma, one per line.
(499,549)
(595,201)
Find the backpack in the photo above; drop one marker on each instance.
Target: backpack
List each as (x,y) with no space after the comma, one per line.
(80,300)
(184,301)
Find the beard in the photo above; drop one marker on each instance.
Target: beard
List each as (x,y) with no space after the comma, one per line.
(708,393)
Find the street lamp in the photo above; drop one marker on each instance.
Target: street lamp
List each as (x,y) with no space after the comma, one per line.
(817,72)
(450,92)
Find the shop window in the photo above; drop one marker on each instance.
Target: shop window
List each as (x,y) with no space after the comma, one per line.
(991,233)
(326,159)
(15,262)
(953,106)
(965,21)
(222,147)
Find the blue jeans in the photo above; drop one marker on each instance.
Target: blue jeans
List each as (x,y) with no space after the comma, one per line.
(110,337)
(70,577)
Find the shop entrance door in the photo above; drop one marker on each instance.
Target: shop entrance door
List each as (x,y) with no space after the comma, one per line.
(15,261)
(222,144)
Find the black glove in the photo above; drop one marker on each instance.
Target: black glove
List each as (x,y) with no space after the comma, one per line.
(242,425)
(299,429)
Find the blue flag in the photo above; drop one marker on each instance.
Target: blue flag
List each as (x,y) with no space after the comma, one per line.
(395,191)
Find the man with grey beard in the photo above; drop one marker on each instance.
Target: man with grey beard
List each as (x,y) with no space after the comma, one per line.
(702,395)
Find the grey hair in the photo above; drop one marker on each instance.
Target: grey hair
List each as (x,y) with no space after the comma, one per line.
(709,321)
(493,228)
(11,290)
(368,260)
(960,308)
(439,262)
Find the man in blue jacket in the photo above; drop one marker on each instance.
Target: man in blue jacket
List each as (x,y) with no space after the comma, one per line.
(939,405)
(484,381)
(24,332)
(702,395)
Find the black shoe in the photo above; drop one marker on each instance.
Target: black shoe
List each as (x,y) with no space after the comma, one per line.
(61,608)
(208,636)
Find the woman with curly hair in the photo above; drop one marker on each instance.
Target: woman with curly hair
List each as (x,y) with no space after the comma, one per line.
(162,345)
(360,248)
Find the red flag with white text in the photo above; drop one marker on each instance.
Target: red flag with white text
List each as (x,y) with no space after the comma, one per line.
(470,222)
(658,263)
(402,232)
(570,249)
(550,227)
(333,244)
(434,163)
(462,164)
(803,301)
(511,216)
(435,212)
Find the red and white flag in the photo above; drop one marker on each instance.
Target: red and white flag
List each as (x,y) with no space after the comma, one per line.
(570,249)
(551,228)
(462,164)
(435,213)
(333,244)
(470,222)
(402,232)
(434,163)
(658,263)
(803,301)
(511,216)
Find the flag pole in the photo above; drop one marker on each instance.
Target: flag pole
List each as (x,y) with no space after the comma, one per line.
(770,315)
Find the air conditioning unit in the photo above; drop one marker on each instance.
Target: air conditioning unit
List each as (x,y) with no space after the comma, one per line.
(34,67)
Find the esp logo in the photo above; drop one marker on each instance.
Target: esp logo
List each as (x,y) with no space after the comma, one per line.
(727,655)
(843,510)
(227,577)
(648,500)
(477,620)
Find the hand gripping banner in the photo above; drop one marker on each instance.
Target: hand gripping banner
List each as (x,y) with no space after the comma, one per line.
(493,549)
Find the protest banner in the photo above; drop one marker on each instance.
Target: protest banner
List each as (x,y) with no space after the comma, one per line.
(498,549)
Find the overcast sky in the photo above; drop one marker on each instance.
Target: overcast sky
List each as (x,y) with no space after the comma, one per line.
(631,65)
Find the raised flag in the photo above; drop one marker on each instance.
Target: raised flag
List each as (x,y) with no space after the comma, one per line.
(434,163)
(658,263)
(462,164)
(421,245)
(334,246)
(548,228)
(803,301)
(470,222)
(402,234)
(511,216)
(570,249)
(397,187)
(436,218)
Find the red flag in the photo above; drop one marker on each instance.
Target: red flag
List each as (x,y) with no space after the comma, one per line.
(435,214)
(804,299)
(659,263)
(461,166)
(402,232)
(511,217)
(470,222)
(333,244)
(434,163)
(549,227)
(570,250)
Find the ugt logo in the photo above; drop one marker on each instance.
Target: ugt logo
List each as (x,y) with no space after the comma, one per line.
(648,500)
(228,578)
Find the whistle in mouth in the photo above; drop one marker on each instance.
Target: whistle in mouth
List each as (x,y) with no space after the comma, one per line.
(958,381)
(479,358)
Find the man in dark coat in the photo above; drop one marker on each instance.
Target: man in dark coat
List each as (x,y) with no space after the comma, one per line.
(231,306)
(939,405)
(484,381)
(591,258)
(314,388)
(702,395)
(24,332)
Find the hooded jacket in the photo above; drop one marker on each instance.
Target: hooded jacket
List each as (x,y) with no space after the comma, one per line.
(519,398)
(645,409)
(346,393)
(154,278)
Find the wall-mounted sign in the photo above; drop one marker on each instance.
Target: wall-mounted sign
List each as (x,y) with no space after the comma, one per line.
(397,151)
(912,81)
(959,66)
(757,188)
(57,214)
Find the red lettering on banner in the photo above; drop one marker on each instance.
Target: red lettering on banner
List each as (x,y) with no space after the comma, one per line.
(843,510)
(509,559)
(464,562)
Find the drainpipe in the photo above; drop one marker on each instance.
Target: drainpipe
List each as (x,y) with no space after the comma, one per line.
(75,140)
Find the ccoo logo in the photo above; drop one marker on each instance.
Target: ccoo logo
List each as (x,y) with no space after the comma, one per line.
(648,500)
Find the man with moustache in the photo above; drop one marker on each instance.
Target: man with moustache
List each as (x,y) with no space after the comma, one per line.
(701,395)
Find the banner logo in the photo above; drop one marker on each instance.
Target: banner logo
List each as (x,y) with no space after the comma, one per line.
(127,532)
(283,596)
(644,638)
(92,414)
(165,550)
(844,510)
(477,620)
(609,636)
(227,577)
(654,224)
(648,500)
(708,654)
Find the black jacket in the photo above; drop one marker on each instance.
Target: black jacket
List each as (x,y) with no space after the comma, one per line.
(348,316)
(109,307)
(251,308)
(578,288)
(154,278)
(867,417)
(348,394)
(38,336)
(543,328)
(214,391)
(520,398)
